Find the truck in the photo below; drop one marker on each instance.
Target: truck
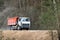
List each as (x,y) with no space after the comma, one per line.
(18,23)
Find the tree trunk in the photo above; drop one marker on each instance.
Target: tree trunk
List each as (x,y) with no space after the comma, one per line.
(56,14)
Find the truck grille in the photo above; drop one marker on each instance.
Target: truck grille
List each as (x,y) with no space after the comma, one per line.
(25,25)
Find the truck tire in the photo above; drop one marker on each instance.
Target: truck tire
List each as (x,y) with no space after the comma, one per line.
(25,28)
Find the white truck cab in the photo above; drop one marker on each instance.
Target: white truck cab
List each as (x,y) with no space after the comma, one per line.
(24,22)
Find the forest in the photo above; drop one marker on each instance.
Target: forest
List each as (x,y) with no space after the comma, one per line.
(44,14)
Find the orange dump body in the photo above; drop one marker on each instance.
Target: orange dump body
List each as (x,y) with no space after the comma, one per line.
(12,21)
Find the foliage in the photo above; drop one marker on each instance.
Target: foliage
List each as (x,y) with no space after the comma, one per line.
(1,2)
(41,12)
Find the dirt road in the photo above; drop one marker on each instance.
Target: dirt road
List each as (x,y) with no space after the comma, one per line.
(29,35)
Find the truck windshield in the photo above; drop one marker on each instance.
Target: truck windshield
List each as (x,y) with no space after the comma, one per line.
(25,19)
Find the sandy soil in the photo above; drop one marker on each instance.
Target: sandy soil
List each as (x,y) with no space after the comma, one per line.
(27,35)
